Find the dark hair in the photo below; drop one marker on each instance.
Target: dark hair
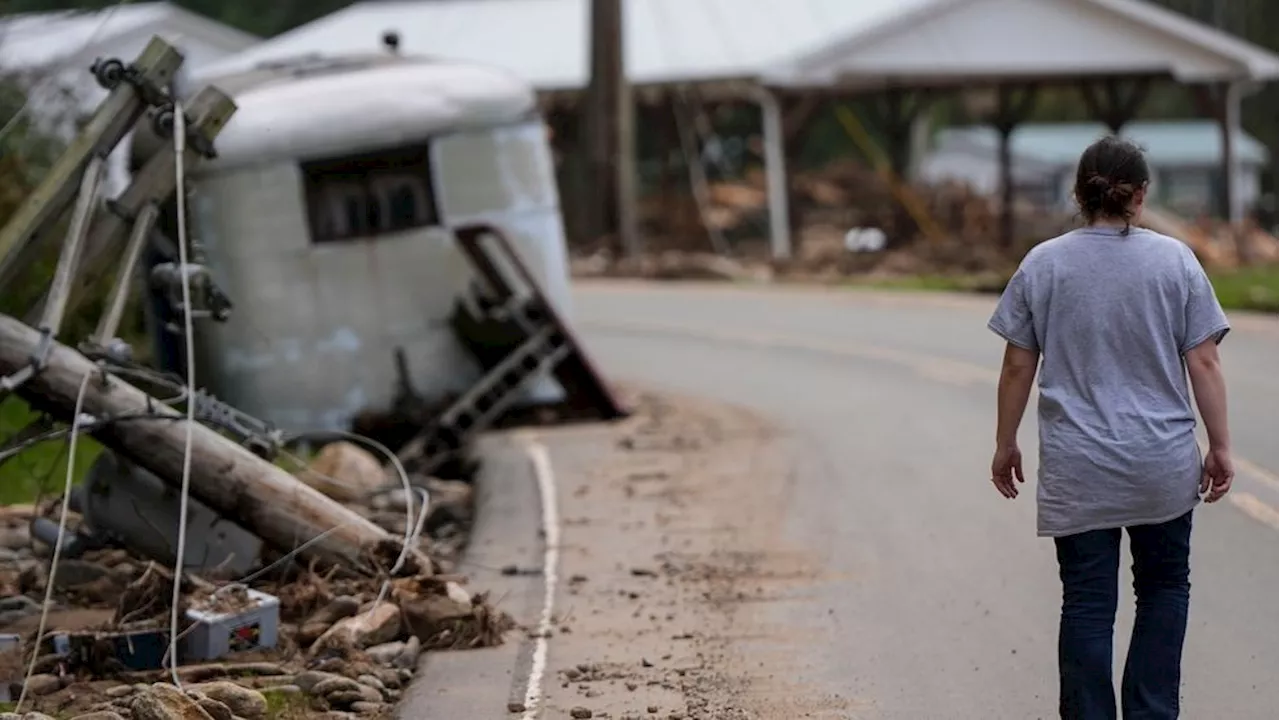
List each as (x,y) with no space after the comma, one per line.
(1110,174)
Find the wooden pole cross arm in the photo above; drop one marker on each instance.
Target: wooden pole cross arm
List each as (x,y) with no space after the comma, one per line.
(263,498)
(155,68)
(209,112)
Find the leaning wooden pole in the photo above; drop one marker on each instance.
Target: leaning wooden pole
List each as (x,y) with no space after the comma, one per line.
(263,498)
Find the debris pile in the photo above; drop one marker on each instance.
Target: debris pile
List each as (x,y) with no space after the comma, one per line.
(322,641)
(950,229)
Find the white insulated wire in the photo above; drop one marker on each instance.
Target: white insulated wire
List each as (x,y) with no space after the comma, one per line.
(57,545)
(404,484)
(179,150)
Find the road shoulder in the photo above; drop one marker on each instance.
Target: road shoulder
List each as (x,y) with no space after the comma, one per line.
(668,528)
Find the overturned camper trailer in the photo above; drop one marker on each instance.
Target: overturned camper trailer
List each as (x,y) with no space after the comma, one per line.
(328,216)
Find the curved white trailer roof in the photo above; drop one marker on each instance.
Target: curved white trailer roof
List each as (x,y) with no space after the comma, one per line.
(320,107)
(803,41)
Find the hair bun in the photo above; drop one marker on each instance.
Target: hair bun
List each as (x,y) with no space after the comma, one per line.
(1100,182)
(1120,191)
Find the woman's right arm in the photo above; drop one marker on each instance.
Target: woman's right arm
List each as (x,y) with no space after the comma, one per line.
(1204,367)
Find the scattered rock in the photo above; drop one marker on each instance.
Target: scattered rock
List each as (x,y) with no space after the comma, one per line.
(120,691)
(215,709)
(334,684)
(43,684)
(361,693)
(515,707)
(19,604)
(580,713)
(307,681)
(243,702)
(381,624)
(73,572)
(165,702)
(366,708)
(426,614)
(372,682)
(390,678)
(36,716)
(386,653)
(451,502)
(392,500)
(15,537)
(344,472)
(343,606)
(100,715)
(408,657)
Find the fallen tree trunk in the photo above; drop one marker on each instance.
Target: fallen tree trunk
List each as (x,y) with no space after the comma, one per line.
(263,498)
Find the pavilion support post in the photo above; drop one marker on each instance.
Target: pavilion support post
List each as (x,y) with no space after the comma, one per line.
(1221,102)
(775,168)
(896,112)
(1013,106)
(563,125)
(798,113)
(661,118)
(1115,101)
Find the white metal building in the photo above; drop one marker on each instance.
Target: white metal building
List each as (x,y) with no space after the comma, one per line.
(1185,159)
(52,52)
(837,45)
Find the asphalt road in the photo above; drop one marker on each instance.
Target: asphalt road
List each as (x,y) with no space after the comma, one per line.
(939,601)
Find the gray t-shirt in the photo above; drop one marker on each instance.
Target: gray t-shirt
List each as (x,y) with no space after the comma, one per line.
(1112,316)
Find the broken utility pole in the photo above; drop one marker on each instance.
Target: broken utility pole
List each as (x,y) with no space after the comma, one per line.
(230,479)
(610,125)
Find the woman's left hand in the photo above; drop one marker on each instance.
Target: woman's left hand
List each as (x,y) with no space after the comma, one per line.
(1006,466)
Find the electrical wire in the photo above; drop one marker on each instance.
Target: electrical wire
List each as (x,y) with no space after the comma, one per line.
(57,546)
(180,187)
(400,471)
(26,104)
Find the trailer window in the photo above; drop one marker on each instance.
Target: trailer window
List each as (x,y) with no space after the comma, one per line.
(367,195)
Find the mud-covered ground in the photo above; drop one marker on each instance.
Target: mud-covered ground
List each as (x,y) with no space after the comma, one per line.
(670,540)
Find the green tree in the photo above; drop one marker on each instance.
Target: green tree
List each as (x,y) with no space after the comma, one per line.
(260,18)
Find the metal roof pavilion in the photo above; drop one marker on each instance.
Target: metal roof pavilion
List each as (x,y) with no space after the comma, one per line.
(546,41)
(951,42)
(801,42)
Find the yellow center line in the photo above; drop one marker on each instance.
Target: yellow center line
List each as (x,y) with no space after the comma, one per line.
(954,372)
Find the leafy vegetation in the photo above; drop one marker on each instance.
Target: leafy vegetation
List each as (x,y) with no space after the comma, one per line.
(1255,288)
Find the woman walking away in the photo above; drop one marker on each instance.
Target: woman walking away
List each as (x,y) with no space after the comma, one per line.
(1117,317)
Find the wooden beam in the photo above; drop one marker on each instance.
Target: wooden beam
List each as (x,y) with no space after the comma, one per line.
(243,487)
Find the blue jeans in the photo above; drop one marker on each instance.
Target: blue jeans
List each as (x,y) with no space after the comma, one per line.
(1089,566)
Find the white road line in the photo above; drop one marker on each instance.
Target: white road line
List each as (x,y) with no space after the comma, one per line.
(541,462)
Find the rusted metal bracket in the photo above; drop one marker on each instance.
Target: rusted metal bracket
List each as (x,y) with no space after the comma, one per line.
(525,338)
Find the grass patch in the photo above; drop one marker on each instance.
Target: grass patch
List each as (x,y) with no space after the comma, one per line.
(287,705)
(1251,288)
(1255,288)
(42,467)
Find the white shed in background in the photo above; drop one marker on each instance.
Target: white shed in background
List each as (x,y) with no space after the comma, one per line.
(1185,157)
(51,54)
